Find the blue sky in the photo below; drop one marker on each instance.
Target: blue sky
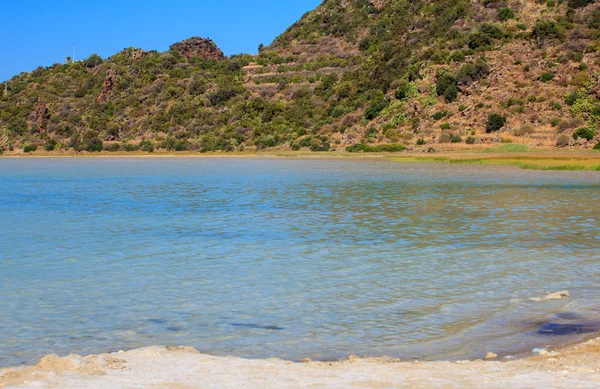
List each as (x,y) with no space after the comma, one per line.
(42,32)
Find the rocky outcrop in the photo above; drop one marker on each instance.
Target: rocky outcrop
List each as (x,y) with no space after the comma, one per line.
(378,4)
(198,47)
(107,88)
(42,116)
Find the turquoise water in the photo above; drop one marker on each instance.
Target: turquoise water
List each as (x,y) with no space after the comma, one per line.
(292,258)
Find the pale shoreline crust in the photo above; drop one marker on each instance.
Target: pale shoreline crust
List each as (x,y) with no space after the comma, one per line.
(576,366)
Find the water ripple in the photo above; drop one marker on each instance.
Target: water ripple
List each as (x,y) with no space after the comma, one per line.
(292,259)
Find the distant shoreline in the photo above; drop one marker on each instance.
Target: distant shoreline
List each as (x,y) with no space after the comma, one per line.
(532,159)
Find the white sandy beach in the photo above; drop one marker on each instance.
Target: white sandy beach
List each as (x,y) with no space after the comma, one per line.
(576,366)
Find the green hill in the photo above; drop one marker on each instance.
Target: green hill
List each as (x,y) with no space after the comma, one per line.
(352,74)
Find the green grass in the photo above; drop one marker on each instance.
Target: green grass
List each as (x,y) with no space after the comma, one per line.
(508,148)
(528,162)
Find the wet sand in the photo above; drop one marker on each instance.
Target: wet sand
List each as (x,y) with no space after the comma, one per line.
(576,366)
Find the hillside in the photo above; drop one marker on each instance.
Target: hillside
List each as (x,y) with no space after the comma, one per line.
(378,75)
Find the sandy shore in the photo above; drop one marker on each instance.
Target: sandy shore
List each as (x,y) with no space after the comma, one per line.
(576,366)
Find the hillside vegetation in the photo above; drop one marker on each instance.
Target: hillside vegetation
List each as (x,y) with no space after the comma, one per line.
(356,75)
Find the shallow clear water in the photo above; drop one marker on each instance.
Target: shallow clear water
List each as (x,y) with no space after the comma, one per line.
(292,259)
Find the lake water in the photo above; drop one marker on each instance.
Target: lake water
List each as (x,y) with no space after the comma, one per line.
(293,258)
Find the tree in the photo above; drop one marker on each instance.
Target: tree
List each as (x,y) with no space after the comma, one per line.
(69,59)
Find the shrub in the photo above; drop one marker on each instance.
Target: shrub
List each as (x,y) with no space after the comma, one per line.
(470,72)
(181,145)
(571,98)
(445,126)
(319,144)
(479,40)
(595,20)
(578,56)
(50,145)
(491,30)
(130,147)
(113,147)
(371,132)
(221,95)
(562,141)
(167,144)
(506,13)
(93,61)
(455,138)
(451,94)
(457,56)
(421,142)
(390,148)
(146,145)
(495,122)
(545,29)
(546,76)
(94,145)
(597,147)
(444,81)
(29,148)
(386,148)
(402,90)
(525,129)
(375,107)
(444,137)
(586,133)
(579,3)
(470,140)
(196,87)
(440,114)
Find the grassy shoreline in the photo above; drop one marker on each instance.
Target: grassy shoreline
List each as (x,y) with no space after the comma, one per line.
(523,158)
(516,155)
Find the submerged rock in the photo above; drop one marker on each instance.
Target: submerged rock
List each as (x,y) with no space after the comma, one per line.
(567,328)
(491,355)
(558,295)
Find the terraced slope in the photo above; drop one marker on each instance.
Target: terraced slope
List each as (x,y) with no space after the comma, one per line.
(358,74)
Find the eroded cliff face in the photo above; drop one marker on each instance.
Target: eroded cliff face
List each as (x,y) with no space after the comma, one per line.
(198,47)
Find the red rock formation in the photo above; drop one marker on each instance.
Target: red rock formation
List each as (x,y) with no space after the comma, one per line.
(42,116)
(139,54)
(198,47)
(378,4)
(107,88)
